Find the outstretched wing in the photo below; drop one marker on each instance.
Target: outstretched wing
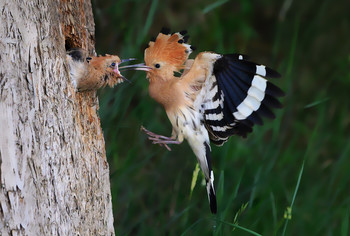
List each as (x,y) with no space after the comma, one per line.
(238,96)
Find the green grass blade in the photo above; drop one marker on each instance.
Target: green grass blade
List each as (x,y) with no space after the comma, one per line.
(223,222)
(345,223)
(293,199)
(239,227)
(194,178)
(298,183)
(316,103)
(256,180)
(149,20)
(214,5)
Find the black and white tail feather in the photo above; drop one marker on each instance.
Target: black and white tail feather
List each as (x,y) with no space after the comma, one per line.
(210,181)
(238,96)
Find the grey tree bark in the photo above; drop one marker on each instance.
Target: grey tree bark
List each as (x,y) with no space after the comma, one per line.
(53,170)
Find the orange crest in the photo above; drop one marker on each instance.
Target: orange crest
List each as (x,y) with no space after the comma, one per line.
(168,48)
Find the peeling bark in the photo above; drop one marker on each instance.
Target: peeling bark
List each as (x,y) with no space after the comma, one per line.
(53,170)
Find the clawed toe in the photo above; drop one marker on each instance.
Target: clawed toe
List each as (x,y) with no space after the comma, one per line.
(160,139)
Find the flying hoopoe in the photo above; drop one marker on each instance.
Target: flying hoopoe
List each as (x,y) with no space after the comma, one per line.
(215,97)
(92,73)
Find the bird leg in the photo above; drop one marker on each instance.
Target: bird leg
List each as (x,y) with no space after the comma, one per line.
(160,139)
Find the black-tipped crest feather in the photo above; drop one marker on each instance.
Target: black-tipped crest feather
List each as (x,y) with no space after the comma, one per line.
(165,30)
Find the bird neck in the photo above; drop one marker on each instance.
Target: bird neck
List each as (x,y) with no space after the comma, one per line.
(165,92)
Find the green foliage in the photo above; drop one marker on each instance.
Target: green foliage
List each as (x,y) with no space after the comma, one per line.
(194,178)
(299,160)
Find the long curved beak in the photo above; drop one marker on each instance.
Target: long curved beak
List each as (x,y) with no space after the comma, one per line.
(118,69)
(126,60)
(140,66)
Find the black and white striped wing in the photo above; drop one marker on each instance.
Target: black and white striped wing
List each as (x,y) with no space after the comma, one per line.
(238,96)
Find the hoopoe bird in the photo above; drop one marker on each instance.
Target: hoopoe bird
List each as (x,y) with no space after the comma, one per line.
(92,73)
(215,97)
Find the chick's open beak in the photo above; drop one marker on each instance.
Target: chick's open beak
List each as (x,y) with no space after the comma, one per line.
(118,69)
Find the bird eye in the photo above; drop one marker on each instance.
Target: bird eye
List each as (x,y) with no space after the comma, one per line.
(157,65)
(113,64)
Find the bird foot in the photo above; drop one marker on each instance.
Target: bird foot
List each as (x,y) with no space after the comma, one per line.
(160,139)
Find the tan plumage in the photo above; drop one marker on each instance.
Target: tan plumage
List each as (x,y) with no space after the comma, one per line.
(100,67)
(216,96)
(169,54)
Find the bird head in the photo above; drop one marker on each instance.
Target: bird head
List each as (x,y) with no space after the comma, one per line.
(166,54)
(110,66)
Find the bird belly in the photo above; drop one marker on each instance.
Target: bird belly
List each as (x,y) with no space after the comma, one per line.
(188,124)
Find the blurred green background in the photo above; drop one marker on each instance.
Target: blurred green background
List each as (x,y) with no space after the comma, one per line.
(258,178)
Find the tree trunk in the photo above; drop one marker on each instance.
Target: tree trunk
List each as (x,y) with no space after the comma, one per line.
(53,169)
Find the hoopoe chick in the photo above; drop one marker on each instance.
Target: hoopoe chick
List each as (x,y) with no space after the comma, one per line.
(215,97)
(92,73)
